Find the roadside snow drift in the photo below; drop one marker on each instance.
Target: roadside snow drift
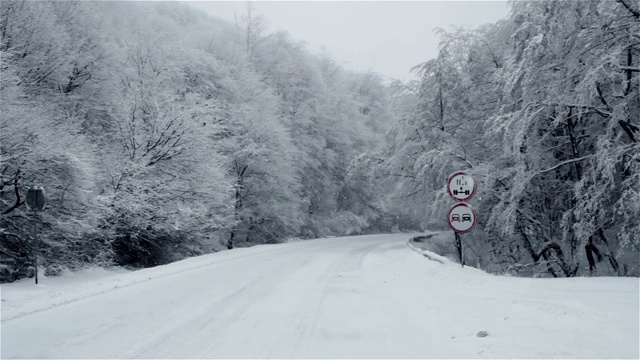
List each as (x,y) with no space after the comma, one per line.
(354,297)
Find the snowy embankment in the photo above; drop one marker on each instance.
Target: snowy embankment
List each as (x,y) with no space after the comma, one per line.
(24,298)
(367,296)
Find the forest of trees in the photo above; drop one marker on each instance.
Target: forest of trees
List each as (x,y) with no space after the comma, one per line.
(543,108)
(160,133)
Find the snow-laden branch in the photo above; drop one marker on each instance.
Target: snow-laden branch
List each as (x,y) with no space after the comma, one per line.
(566,162)
(630,68)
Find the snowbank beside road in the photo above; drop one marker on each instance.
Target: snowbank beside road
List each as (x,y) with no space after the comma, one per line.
(428,254)
(24,297)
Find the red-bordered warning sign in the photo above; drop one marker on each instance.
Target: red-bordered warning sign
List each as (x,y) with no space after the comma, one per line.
(462,218)
(461,186)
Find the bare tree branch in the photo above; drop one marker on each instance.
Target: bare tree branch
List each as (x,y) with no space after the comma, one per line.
(18,202)
(633,11)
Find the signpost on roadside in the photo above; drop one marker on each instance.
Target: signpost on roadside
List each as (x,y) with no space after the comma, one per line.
(462,217)
(36,201)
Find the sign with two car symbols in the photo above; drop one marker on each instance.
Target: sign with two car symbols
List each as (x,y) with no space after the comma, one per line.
(462,218)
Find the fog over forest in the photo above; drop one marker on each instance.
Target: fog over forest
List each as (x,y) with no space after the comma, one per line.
(160,133)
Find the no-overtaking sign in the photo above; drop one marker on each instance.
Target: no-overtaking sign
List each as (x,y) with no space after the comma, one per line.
(462,218)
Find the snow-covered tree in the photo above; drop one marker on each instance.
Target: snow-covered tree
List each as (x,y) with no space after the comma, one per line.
(542,108)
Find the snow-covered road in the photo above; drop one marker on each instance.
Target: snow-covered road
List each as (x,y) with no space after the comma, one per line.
(368,296)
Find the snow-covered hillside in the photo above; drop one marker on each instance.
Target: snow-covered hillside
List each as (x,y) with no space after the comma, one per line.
(366,296)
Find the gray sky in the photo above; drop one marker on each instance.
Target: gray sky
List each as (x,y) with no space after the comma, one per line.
(383,36)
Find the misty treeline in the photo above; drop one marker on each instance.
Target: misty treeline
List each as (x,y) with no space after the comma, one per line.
(543,108)
(159,133)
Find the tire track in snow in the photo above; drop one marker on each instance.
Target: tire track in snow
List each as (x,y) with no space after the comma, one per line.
(337,272)
(180,324)
(215,324)
(278,302)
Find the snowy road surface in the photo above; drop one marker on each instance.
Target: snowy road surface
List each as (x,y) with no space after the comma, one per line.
(368,296)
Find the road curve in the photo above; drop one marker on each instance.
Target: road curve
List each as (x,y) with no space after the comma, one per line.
(354,297)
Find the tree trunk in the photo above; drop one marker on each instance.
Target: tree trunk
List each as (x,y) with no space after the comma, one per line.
(230,241)
(575,177)
(591,249)
(609,253)
(238,203)
(543,254)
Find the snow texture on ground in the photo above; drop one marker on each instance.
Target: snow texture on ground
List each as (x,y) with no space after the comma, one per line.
(354,297)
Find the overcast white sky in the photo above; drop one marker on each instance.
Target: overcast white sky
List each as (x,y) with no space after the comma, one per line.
(388,37)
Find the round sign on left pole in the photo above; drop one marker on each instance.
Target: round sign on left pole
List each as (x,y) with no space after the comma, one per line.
(36,198)
(462,218)
(36,201)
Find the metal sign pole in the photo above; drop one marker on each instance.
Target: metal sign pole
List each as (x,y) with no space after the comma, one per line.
(36,201)
(461,250)
(459,246)
(36,245)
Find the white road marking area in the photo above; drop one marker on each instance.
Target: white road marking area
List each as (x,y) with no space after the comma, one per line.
(351,297)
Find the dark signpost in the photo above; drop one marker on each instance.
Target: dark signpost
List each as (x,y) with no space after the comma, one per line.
(36,201)
(462,217)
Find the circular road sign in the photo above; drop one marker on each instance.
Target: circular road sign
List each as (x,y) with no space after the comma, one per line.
(462,218)
(461,186)
(36,198)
